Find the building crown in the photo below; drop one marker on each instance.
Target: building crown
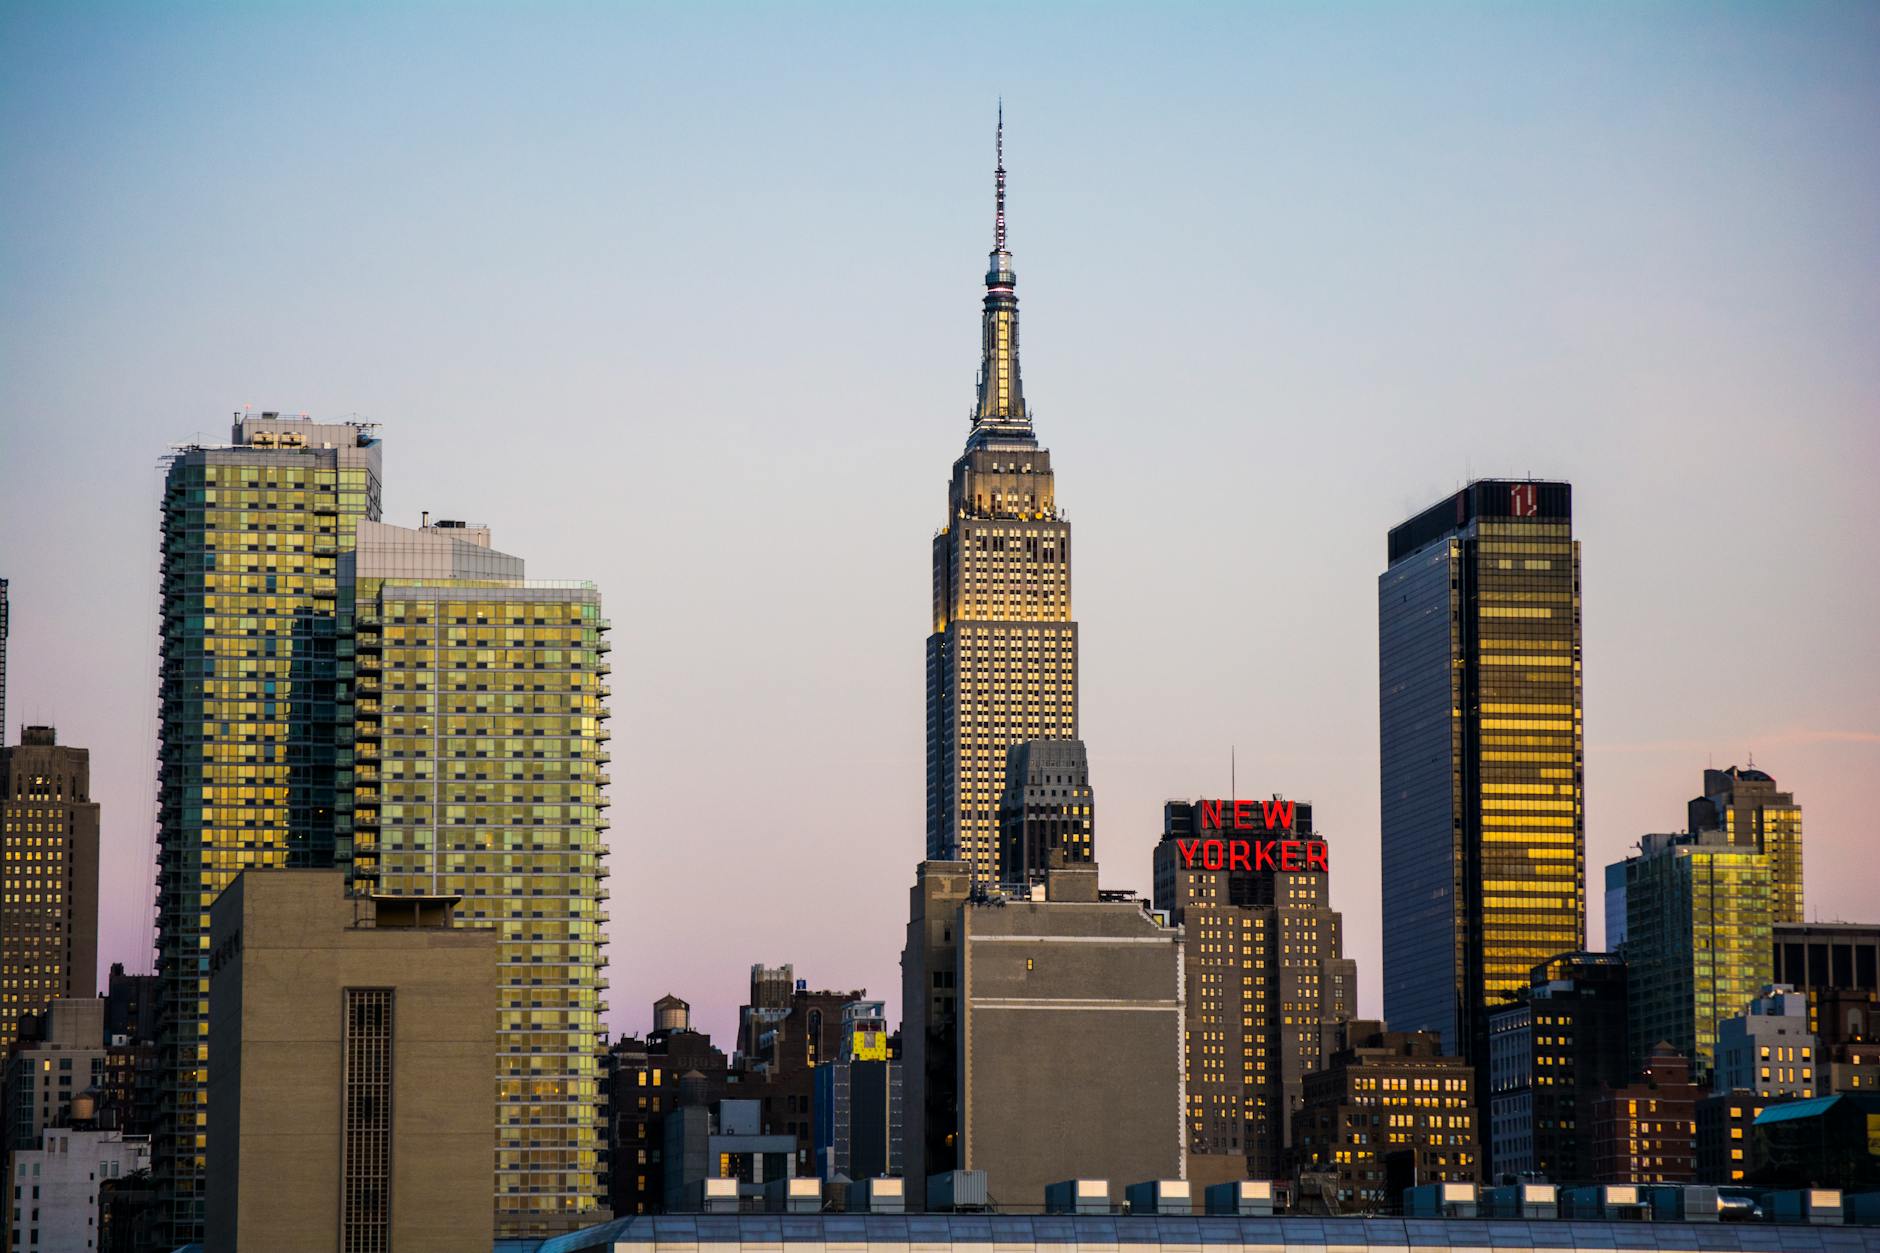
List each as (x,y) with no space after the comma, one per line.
(1000,412)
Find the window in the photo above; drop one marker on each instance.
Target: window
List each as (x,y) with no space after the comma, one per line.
(366,1136)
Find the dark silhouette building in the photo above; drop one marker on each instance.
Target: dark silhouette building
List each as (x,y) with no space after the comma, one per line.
(645,1081)
(1047,816)
(1549,1058)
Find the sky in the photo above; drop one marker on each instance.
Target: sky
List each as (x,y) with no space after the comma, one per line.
(684,299)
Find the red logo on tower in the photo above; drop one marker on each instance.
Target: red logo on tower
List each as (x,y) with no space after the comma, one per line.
(1524,500)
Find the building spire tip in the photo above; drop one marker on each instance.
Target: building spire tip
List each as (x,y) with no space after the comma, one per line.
(998,225)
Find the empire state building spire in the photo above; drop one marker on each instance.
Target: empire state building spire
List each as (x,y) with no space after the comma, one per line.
(1001,409)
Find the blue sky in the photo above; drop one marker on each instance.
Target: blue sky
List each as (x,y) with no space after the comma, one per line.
(683,299)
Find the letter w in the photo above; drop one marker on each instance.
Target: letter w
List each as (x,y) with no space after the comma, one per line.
(1282,810)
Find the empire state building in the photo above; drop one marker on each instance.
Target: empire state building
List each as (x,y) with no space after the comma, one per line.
(1002,659)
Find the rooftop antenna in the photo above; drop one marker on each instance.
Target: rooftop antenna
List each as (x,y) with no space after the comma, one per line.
(1233,771)
(998,231)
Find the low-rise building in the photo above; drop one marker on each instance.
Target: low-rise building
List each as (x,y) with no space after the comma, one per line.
(1646,1132)
(59,1056)
(1549,1056)
(1768,1049)
(1726,1140)
(54,1201)
(859,1107)
(644,1082)
(1388,1110)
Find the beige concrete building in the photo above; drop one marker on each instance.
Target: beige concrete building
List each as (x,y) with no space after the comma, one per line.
(1042,1035)
(351,1102)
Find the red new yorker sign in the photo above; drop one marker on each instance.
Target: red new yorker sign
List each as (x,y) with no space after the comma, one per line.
(1222,853)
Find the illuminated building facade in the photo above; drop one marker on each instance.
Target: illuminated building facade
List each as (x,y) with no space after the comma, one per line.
(1389,1107)
(1698,944)
(48,877)
(1745,806)
(1484,839)
(255,717)
(1002,658)
(1768,1049)
(1047,817)
(481,730)
(1268,990)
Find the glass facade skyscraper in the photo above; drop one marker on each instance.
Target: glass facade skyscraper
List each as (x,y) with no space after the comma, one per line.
(1745,805)
(254,717)
(1699,939)
(1482,755)
(481,729)
(1002,658)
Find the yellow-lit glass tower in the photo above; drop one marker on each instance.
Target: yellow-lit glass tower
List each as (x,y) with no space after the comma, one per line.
(1484,835)
(1002,658)
(254,713)
(481,728)
(1745,805)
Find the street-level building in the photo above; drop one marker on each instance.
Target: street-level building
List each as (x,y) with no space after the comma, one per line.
(1549,1056)
(59,1058)
(1389,1110)
(351,1103)
(1484,838)
(1041,1034)
(1646,1132)
(1768,1049)
(1726,1136)
(53,1200)
(859,1106)
(1267,984)
(1002,654)
(644,1079)
(48,877)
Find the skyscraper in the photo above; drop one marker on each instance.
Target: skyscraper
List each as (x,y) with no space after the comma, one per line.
(1746,807)
(481,731)
(1484,838)
(254,716)
(1269,988)
(1699,943)
(48,877)
(1002,659)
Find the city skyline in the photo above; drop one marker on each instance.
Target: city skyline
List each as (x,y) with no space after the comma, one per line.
(1360,419)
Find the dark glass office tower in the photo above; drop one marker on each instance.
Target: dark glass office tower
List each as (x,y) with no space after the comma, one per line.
(1484,844)
(1002,658)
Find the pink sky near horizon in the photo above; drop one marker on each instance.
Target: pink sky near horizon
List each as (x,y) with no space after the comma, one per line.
(687,304)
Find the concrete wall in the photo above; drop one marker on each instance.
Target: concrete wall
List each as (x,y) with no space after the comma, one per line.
(1071,1059)
(284,947)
